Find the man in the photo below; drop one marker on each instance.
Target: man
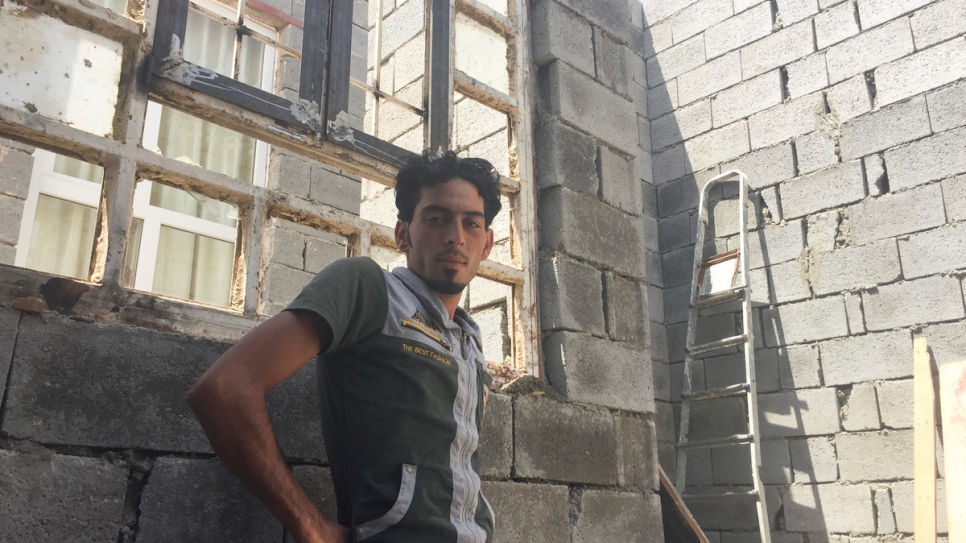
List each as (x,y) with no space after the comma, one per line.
(402,378)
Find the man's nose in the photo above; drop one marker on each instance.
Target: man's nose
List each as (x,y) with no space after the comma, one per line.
(457,235)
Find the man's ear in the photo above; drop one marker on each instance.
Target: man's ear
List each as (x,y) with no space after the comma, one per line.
(489,243)
(402,236)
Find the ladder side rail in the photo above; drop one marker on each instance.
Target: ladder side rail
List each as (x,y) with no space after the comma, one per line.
(750,370)
(687,386)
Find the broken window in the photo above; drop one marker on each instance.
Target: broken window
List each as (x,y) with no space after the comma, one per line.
(227,157)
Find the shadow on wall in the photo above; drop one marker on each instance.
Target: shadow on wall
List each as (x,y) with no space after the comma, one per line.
(784,411)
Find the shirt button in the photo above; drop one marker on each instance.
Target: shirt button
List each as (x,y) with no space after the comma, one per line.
(409,469)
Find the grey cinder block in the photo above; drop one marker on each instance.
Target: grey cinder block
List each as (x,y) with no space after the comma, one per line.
(590,106)
(824,189)
(868,50)
(920,301)
(798,366)
(708,150)
(589,229)
(856,266)
(829,508)
(885,518)
(792,11)
(536,513)
(705,80)
(947,109)
(746,98)
(937,250)
(765,167)
(743,28)
(619,184)
(885,128)
(674,61)
(16,167)
(835,24)
(864,358)
(947,341)
(876,12)
(612,63)
(922,71)
(611,516)
(807,75)
(946,157)
(496,437)
(566,157)
(899,213)
(787,120)
(875,456)
(807,412)
(564,442)
(814,460)
(558,32)
(598,371)
(52,497)
(849,99)
(53,402)
(9,323)
(638,441)
(777,49)
(291,174)
(200,500)
(613,17)
(861,411)
(816,151)
(933,24)
(626,309)
(684,123)
(572,296)
(896,403)
(674,232)
(698,17)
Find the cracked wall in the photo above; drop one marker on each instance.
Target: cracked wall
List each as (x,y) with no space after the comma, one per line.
(847,118)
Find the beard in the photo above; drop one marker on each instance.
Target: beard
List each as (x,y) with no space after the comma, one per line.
(445,286)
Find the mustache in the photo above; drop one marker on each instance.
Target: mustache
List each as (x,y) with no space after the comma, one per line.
(454,253)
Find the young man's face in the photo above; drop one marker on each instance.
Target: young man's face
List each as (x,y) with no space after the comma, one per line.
(447,238)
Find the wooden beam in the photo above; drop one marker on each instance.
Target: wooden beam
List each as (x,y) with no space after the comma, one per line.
(925,444)
(952,397)
(679,523)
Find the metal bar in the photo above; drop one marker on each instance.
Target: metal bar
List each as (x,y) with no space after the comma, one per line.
(439,60)
(239,35)
(487,17)
(705,348)
(720,392)
(705,302)
(170,26)
(728,496)
(377,69)
(242,29)
(340,61)
(386,96)
(737,439)
(481,92)
(315,54)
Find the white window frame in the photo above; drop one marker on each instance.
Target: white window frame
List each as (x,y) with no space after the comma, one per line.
(44,180)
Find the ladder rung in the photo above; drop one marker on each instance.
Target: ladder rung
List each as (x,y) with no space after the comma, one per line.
(720,392)
(719,298)
(751,495)
(718,345)
(736,439)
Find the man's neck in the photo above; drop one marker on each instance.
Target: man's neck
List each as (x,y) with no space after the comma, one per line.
(450,302)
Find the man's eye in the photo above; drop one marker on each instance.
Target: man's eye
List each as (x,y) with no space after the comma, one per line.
(434,219)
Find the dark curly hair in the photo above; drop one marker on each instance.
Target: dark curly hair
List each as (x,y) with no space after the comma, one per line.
(431,169)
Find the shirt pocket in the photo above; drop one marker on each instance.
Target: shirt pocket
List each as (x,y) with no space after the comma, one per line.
(398,510)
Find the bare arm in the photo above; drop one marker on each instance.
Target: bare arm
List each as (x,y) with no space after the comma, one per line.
(229,401)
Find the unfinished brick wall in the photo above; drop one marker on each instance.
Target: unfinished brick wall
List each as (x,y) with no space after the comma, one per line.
(97,443)
(848,118)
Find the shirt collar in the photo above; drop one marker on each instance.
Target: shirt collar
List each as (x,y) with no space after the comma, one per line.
(431,301)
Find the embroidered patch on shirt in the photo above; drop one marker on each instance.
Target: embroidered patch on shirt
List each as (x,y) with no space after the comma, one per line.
(426,352)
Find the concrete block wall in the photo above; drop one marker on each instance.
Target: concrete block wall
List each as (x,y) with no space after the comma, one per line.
(596,225)
(103,447)
(847,117)
(16,165)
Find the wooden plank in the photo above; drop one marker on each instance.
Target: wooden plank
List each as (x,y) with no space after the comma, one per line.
(925,444)
(487,16)
(679,523)
(483,93)
(89,16)
(439,62)
(952,397)
(315,51)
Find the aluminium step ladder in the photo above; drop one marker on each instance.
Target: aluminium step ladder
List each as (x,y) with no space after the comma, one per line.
(715,281)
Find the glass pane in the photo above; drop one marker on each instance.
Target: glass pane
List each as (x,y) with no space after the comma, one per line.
(79,169)
(481,53)
(132,252)
(211,44)
(194,205)
(57,70)
(194,267)
(63,237)
(208,145)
